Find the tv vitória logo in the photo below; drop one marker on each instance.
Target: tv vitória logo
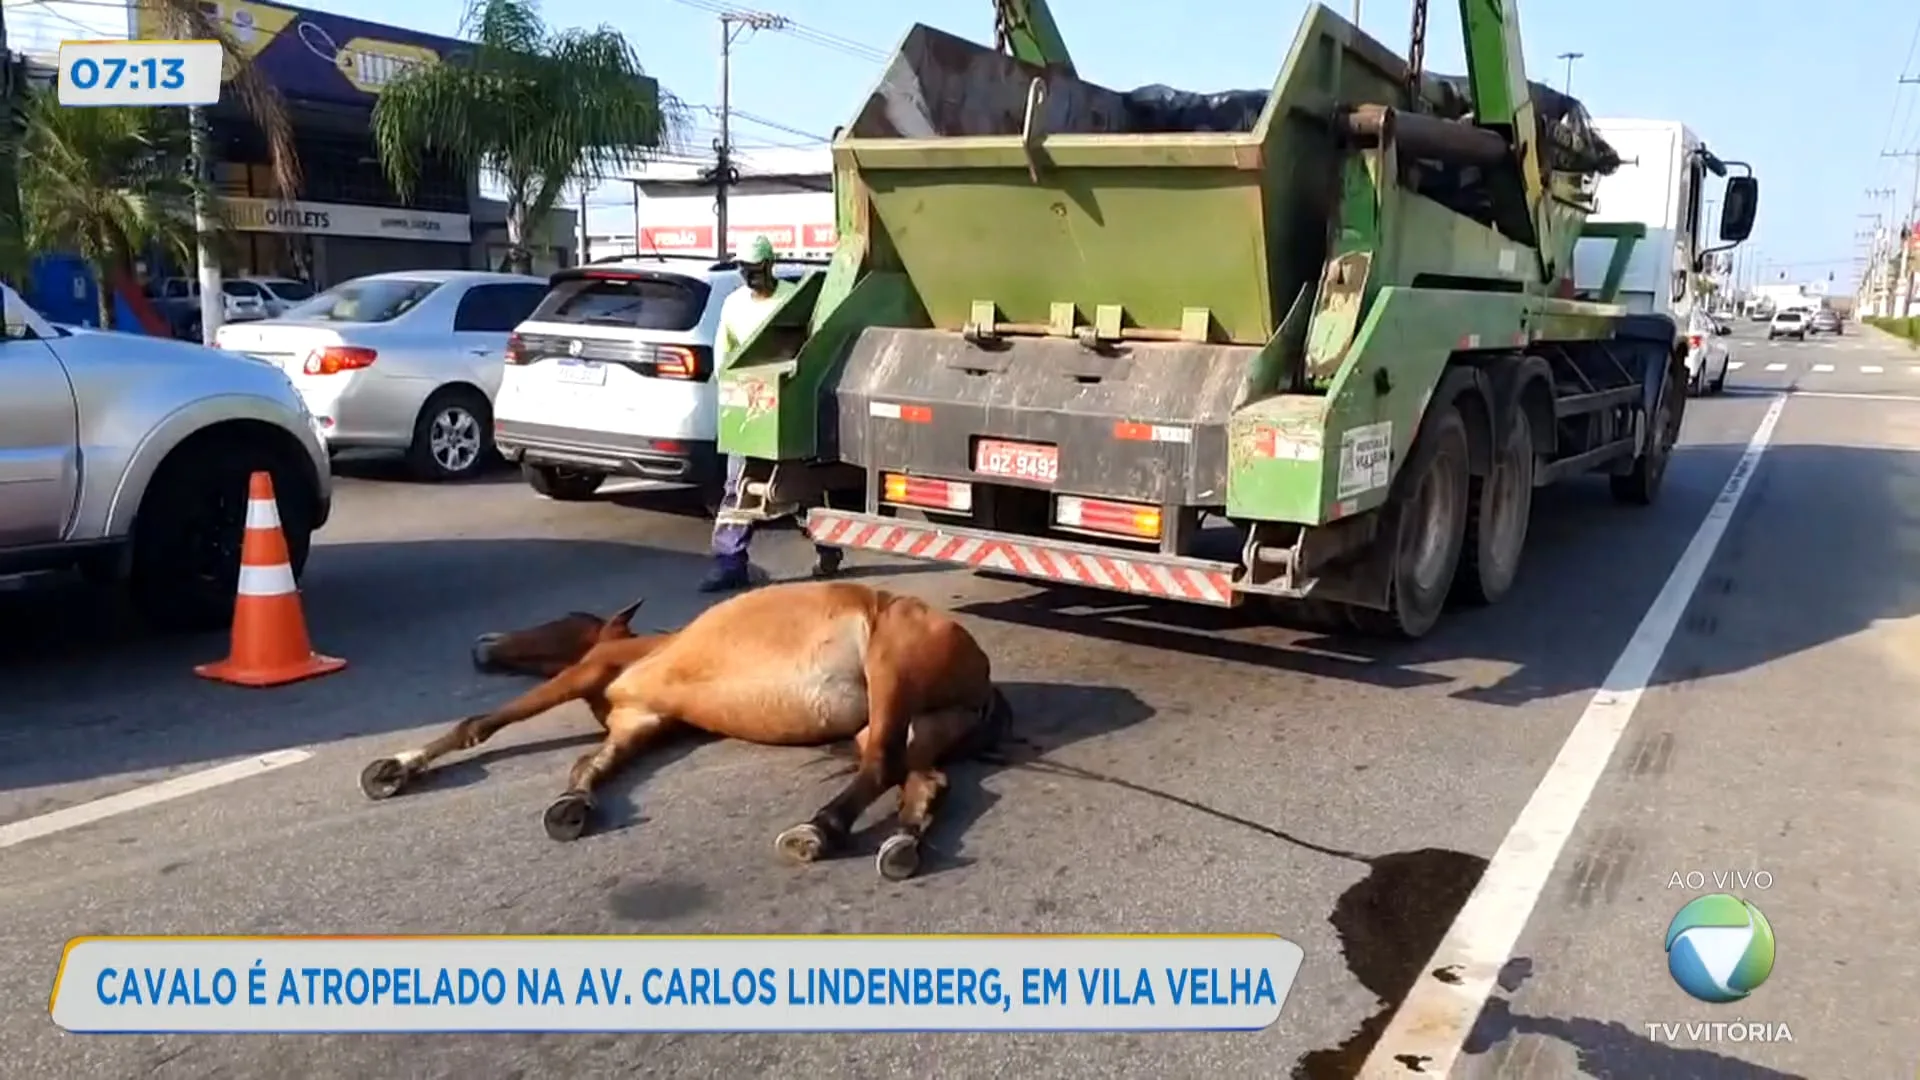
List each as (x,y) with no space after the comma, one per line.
(1719,948)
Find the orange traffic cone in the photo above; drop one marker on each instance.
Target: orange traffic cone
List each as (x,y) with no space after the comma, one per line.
(270,645)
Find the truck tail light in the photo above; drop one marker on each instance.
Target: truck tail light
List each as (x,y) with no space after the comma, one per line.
(335,359)
(930,494)
(516,349)
(1102,516)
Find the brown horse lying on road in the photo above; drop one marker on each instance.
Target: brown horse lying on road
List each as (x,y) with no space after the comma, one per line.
(800,664)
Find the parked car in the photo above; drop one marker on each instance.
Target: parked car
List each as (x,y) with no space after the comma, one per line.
(178,299)
(613,376)
(1761,314)
(406,361)
(1707,356)
(1791,324)
(128,457)
(276,294)
(1824,322)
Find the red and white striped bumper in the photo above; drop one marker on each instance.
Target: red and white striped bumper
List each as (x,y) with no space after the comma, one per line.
(1200,581)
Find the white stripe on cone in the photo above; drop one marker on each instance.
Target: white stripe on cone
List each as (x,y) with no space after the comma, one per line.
(263,514)
(266,580)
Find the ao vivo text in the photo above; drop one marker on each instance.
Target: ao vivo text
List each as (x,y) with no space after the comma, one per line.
(1721,880)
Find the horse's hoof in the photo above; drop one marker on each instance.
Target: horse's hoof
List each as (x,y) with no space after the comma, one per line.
(899,857)
(804,843)
(384,778)
(482,652)
(566,817)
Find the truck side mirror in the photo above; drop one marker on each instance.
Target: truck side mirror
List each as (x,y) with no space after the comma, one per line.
(1738,207)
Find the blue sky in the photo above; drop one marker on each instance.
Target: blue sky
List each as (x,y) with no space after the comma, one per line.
(1809,94)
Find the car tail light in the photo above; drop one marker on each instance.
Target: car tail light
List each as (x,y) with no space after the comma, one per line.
(335,359)
(516,349)
(931,494)
(679,362)
(1101,516)
(1694,340)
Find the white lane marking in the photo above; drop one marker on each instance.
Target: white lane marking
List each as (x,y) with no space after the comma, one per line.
(1776,367)
(1823,367)
(1871,369)
(1856,396)
(1736,365)
(33,828)
(1438,1013)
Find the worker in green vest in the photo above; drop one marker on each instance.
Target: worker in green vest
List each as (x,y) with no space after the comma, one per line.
(741,314)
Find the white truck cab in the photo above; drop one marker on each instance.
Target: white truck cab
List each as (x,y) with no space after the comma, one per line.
(1663,183)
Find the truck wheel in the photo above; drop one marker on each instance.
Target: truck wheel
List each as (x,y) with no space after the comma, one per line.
(563,485)
(452,436)
(187,535)
(1642,486)
(1426,522)
(1499,508)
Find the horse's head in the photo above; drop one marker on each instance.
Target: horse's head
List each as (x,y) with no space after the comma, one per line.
(551,647)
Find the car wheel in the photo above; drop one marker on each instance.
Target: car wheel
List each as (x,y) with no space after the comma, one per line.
(453,436)
(187,536)
(563,485)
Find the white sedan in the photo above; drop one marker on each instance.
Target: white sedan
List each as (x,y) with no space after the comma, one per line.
(407,361)
(1707,356)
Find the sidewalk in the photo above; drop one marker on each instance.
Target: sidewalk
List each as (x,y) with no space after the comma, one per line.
(1881,337)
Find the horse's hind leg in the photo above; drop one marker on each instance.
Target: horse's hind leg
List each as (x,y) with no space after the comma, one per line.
(629,731)
(934,738)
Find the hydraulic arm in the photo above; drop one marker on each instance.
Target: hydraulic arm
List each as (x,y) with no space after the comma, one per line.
(1024,29)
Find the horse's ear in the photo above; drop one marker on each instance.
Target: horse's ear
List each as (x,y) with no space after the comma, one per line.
(616,624)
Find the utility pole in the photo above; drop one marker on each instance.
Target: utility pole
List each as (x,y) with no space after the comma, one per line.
(213,305)
(1881,272)
(581,240)
(1569,57)
(1903,225)
(731,25)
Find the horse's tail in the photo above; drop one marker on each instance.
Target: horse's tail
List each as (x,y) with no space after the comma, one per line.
(996,722)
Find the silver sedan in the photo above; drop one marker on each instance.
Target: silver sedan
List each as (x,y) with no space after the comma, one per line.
(406,361)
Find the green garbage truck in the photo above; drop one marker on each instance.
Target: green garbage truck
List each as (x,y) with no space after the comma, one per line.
(1314,345)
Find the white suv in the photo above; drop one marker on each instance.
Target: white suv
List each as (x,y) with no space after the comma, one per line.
(613,376)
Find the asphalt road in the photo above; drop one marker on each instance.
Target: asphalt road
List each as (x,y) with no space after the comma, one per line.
(1191,772)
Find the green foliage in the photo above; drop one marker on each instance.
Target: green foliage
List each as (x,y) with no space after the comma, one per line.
(535,108)
(105,184)
(1908,328)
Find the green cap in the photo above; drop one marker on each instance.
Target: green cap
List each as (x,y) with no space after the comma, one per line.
(758,250)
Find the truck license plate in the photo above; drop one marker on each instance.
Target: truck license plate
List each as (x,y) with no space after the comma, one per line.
(1021,461)
(582,373)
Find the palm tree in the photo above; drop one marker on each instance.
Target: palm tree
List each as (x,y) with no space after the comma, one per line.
(534,108)
(106,184)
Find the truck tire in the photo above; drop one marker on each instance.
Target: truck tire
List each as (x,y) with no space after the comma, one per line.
(1498,511)
(1641,486)
(562,485)
(1426,521)
(187,535)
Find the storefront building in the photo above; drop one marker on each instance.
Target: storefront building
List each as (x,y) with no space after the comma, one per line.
(349,220)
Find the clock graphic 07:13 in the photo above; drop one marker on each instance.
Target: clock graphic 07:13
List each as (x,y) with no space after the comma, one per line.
(139,72)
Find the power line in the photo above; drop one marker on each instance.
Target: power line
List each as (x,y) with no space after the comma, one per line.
(795,29)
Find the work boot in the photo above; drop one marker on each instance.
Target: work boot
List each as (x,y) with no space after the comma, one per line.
(726,577)
(826,563)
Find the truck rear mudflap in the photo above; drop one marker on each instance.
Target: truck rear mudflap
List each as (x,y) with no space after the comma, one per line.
(1169,577)
(1144,421)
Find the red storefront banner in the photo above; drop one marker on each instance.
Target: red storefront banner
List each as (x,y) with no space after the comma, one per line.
(698,239)
(677,238)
